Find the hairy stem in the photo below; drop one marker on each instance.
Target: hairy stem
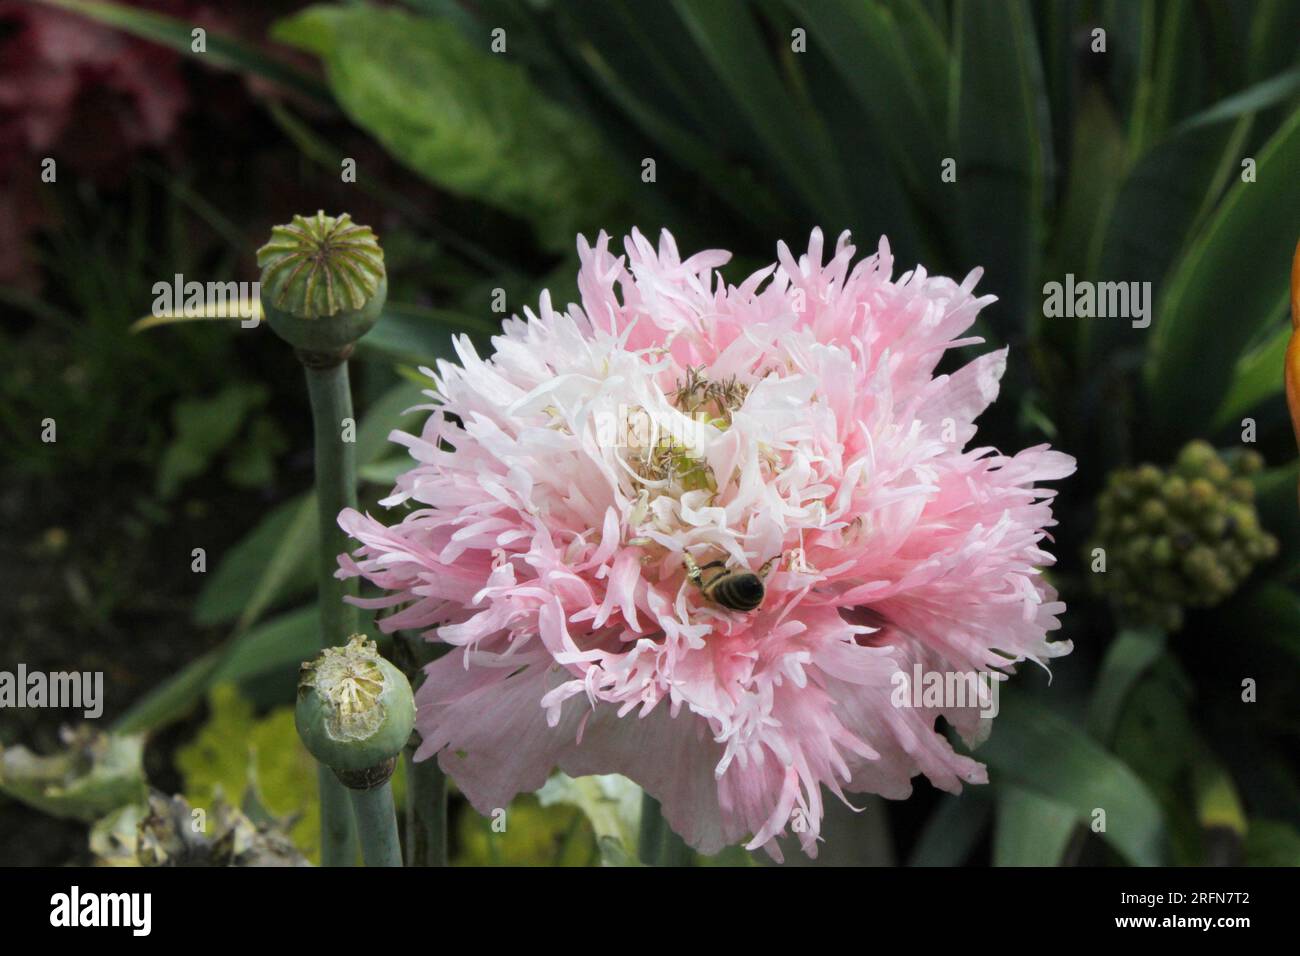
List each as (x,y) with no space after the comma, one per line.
(650,837)
(426,785)
(657,844)
(336,489)
(426,812)
(673,851)
(377,825)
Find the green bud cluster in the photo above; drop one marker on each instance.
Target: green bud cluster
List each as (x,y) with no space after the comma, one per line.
(1178,538)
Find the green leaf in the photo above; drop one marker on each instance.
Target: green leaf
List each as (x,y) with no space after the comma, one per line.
(1173,187)
(277,646)
(734,185)
(271,563)
(470,121)
(275,561)
(204,427)
(953,830)
(95,774)
(1272,44)
(1096,169)
(1228,287)
(220,51)
(1037,749)
(384,473)
(1032,830)
(1276,502)
(885,57)
(418,335)
(610,802)
(1129,656)
(1272,843)
(1096,166)
(730,41)
(1256,378)
(1166,27)
(1270,614)
(1218,805)
(172,699)
(526,834)
(393,411)
(282,642)
(259,762)
(252,461)
(1001,138)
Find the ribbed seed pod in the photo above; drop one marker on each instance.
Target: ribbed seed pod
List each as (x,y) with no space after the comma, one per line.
(323,281)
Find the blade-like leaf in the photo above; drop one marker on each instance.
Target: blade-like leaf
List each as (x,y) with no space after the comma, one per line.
(172,699)
(1227,288)
(1127,659)
(1035,748)
(729,40)
(418,335)
(1032,830)
(867,43)
(273,562)
(1000,141)
(282,642)
(1165,35)
(267,564)
(952,831)
(1275,499)
(1173,187)
(1256,378)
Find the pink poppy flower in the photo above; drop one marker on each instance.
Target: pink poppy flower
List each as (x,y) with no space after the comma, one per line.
(789,433)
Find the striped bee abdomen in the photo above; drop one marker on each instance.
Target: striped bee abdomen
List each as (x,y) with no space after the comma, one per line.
(738,591)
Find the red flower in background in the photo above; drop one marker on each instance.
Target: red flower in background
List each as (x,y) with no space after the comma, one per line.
(82,93)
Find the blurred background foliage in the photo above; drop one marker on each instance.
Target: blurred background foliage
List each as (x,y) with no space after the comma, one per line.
(1164,149)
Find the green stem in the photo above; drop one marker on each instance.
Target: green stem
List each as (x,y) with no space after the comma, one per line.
(377,825)
(650,837)
(426,811)
(673,851)
(338,836)
(657,843)
(336,489)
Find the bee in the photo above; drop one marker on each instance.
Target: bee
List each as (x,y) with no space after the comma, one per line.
(736,590)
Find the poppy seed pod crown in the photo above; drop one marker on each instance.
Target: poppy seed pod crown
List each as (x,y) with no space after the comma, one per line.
(323,281)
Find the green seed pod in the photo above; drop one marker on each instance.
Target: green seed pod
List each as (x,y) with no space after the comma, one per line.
(1201,494)
(1153,513)
(1249,463)
(1195,457)
(323,282)
(1218,472)
(1174,490)
(1214,524)
(1149,477)
(355,712)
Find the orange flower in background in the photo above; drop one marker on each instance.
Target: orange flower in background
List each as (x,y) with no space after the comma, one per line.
(1292,371)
